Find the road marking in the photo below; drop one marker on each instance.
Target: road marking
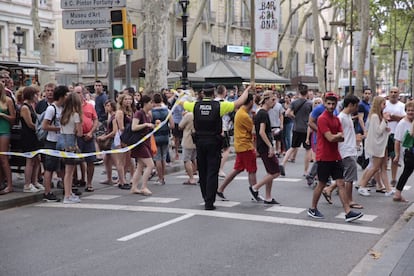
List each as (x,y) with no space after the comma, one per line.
(282,179)
(407,188)
(369,218)
(350,227)
(154,199)
(284,209)
(224,203)
(155,227)
(101,197)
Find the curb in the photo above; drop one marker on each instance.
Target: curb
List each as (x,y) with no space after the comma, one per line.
(391,247)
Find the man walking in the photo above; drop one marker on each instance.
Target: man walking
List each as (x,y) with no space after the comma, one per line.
(329,159)
(208,128)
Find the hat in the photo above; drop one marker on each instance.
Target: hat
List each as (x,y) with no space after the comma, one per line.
(208,87)
(331,95)
(266,95)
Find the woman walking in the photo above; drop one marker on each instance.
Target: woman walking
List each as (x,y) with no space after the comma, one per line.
(142,122)
(375,146)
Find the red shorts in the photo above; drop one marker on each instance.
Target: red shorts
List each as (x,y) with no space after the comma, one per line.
(246,160)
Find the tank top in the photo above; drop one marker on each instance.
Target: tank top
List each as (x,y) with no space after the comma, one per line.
(4,123)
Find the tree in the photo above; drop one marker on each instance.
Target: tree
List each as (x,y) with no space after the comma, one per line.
(43,38)
(156,66)
(364,17)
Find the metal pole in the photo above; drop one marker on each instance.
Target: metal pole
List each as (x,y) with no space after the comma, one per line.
(326,64)
(111,74)
(19,53)
(184,17)
(252,43)
(95,58)
(128,54)
(350,48)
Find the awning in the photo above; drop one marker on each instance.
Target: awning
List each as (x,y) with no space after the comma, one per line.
(236,69)
(176,76)
(311,85)
(26,65)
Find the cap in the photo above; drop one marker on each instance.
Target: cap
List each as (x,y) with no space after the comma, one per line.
(266,95)
(331,95)
(208,86)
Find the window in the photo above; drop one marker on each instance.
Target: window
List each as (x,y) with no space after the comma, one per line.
(91,56)
(245,16)
(294,65)
(42,3)
(309,35)
(294,24)
(206,53)
(1,39)
(178,46)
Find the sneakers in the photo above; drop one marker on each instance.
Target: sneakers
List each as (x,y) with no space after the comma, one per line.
(314,213)
(272,201)
(222,174)
(282,170)
(390,193)
(352,215)
(255,194)
(363,191)
(71,199)
(310,180)
(221,196)
(50,197)
(39,186)
(30,189)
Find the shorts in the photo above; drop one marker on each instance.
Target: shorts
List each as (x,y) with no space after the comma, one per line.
(335,169)
(299,138)
(271,164)
(246,160)
(177,132)
(277,133)
(51,163)
(390,146)
(350,169)
(161,152)
(67,141)
(86,147)
(226,140)
(189,154)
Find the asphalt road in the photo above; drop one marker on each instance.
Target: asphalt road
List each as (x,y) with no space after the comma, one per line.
(115,233)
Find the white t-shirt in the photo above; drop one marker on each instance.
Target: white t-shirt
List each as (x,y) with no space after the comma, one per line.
(69,128)
(396,109)
(349,146)
(400,131)
(50,113)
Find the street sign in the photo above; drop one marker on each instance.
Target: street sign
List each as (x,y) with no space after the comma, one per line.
(87,4)
(86,19)
(93,39)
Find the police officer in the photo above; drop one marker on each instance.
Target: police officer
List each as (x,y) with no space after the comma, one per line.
(208,138)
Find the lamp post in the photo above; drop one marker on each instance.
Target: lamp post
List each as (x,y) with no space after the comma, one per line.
(18,40)
(184,17)
(330,80)
(325,42)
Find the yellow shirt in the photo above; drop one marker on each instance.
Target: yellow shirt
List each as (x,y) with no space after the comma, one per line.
(243,127)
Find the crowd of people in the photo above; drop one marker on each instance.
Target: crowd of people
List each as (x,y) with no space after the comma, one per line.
(335,133)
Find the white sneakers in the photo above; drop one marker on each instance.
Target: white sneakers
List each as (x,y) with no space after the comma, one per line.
(39,186)
(30,189)
(363,191)
(71,199)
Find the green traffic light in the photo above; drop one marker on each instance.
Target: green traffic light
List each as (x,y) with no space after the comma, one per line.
(118,43)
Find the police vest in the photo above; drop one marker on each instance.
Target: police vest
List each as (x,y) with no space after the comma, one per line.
(207,120)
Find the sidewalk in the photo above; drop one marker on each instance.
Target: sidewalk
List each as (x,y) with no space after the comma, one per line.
(395,250)
(18,198)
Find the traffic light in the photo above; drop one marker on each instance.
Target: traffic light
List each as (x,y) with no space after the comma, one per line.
(119,27)
(134,44)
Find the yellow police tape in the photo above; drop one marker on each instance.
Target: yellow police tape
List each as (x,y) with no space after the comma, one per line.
(65,154)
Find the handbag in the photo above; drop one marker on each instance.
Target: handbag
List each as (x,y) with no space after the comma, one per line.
(105,144)
(153,145)
(129,137)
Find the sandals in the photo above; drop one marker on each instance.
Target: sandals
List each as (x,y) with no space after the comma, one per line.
(327,197)
(124,186)
(6,191)
(189,183)
(356,206)
(89,189)
(400,199)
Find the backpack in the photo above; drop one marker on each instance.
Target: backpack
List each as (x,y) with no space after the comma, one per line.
(40,132)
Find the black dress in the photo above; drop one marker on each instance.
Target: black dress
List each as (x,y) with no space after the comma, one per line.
(29,139)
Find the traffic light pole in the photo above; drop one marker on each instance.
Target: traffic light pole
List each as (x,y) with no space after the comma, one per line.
(184,18)
(128,54)
(111,74)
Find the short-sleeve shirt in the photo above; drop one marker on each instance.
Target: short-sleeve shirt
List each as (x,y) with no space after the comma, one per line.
(301,110)
(188,128)
(89,115)
(69,128)
(243,127)
(398,109)
(262,117)
(100,106)
(325,150)
(54,119)
(274,114)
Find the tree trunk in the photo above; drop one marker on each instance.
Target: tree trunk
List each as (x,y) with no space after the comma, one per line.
(43,37)
(364,22)
(317,45)
(156,67)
